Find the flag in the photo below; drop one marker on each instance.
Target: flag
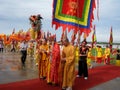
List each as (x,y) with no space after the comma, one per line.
(73,15)
(111,39)
(94,39)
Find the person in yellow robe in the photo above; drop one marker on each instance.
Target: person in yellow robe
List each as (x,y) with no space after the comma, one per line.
(49,59)
(68,56)
(43,61)
(99,54)
(76,54)
(31,48)
(107,55)
(37,52)
(89,55)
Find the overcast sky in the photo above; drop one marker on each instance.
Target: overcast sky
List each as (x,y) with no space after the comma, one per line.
(16,13)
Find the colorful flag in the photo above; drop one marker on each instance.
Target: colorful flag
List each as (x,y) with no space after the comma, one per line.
(94,39)
(73,15)
(111,39)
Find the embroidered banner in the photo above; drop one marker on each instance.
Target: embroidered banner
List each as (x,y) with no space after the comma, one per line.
(73,14)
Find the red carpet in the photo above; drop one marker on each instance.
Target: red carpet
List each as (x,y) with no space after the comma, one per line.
(97,76)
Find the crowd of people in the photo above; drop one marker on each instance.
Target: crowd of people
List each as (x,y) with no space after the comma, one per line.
(57,62)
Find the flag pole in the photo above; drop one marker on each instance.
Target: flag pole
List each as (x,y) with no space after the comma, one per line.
(94,41)
(111,40)
(79,32)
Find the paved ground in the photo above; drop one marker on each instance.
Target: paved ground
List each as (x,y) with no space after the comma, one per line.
(110,85)
(12,71)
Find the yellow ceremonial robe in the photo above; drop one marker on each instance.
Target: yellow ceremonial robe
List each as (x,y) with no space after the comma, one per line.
(76,55)
(107,52)
(69,67)
(89,58)
(43,61)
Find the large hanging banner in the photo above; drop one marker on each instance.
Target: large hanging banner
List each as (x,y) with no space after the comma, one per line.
(73,15)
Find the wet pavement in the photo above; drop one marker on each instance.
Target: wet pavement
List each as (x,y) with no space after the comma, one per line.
(11,70)
(110,85)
